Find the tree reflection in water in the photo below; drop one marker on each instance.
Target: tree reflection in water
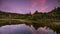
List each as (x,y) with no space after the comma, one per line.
(24,29)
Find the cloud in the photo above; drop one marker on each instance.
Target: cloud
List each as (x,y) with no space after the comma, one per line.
(33,4)
(37,2)
(42,1)
(42,8)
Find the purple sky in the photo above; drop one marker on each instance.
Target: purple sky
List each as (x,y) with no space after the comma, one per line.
(26,6)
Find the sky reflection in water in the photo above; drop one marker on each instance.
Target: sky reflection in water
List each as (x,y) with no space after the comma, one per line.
(24,29)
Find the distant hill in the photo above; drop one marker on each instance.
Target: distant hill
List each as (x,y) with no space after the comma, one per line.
(6,15)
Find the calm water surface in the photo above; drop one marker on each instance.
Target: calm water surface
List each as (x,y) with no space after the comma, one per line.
(24,29)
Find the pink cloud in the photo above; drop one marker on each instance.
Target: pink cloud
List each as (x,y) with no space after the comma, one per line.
(42,1)
(36,2)
(43,8)
(33,5)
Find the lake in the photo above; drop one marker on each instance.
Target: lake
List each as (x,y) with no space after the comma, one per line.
(25,29)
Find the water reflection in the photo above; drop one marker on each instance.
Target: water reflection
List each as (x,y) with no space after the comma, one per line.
(45,30)
(24,29)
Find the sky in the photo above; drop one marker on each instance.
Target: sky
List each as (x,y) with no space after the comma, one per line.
(27,6)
